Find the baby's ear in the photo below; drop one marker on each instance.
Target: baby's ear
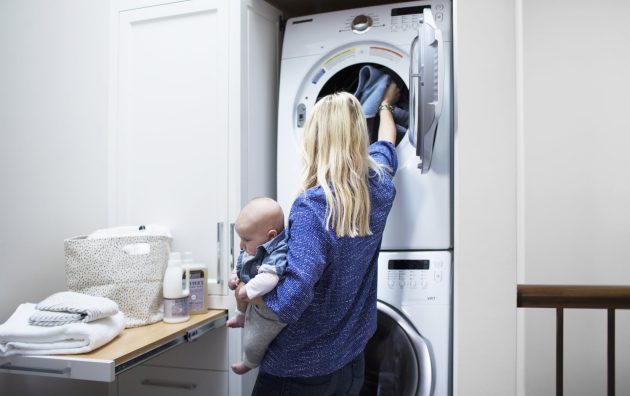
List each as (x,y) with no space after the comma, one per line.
(272,234)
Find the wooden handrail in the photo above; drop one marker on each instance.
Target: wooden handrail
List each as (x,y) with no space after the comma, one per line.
(581,297)
(573,296)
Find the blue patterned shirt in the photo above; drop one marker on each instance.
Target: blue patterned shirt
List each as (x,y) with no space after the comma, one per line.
(328,293)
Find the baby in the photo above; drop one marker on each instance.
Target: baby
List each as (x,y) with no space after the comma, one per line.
(261,263)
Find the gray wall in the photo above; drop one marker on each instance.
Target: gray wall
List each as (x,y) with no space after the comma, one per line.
(53,150)
(574,195)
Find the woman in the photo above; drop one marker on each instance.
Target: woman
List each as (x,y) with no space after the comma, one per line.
(328,294)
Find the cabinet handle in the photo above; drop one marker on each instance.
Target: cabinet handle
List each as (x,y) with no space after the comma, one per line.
(232,246)
(169,384)
(219,252)
(9,366)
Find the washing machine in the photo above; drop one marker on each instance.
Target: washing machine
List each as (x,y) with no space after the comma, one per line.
(411,352)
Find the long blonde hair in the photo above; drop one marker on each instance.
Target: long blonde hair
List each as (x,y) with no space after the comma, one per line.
(335,144)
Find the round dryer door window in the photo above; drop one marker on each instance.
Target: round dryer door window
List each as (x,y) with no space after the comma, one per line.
(347,79)
(397,360)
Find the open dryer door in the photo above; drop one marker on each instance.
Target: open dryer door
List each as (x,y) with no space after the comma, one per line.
(426,88)
(397,359)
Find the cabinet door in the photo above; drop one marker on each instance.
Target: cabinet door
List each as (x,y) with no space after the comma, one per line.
(159,381)
(208,352)
(169,123)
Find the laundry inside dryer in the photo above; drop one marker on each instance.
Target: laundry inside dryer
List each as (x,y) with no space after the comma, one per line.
(347,79)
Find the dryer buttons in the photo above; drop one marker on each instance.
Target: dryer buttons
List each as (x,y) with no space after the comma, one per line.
(301,115)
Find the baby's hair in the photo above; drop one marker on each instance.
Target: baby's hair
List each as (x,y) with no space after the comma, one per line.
(276,215)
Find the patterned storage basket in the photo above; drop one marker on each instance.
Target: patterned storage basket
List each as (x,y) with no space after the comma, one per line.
(126,269)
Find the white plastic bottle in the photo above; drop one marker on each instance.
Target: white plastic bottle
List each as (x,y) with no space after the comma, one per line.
(198,301)
(176,289)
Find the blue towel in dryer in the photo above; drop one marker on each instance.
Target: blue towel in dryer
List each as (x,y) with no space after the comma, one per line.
(371,88)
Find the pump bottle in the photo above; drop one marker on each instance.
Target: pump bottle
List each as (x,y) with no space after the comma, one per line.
(176,290)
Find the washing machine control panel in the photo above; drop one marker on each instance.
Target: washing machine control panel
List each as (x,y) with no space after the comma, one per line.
(424,280)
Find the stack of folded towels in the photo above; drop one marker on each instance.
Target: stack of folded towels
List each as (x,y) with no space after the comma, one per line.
(64,323)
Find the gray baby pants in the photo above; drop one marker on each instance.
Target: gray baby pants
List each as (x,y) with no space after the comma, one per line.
(261,327)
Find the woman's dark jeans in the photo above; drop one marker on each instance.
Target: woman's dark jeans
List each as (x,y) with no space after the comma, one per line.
(348,380)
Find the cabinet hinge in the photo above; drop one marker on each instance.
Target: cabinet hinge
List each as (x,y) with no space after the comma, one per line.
(282,23)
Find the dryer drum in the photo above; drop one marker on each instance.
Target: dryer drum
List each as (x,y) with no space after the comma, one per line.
(347,80)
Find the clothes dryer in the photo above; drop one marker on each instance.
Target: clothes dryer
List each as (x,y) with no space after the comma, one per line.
(412,43)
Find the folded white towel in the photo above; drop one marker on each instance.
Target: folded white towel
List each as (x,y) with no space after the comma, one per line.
(17,337)
(130,231)
(71,307)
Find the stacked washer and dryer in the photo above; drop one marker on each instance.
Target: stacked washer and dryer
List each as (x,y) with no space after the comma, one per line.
(411,352)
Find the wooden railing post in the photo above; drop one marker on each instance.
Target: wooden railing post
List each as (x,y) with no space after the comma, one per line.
(559,350)
(611,352)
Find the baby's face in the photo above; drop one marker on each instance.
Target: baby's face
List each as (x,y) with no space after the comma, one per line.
(251,238)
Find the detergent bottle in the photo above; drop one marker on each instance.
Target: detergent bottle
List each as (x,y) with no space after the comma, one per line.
(176,289)
(198,301)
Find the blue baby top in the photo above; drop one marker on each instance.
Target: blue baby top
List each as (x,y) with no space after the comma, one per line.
(328,293)
(273,254)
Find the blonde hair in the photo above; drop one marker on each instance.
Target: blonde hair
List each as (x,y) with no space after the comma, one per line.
(335,145)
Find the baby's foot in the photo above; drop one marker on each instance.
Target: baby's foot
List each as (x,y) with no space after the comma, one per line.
(240,368)
(237,320)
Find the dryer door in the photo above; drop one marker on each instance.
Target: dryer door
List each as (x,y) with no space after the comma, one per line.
(426,88)
(397,359)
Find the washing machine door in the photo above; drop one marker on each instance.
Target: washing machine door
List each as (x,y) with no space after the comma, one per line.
(397,359)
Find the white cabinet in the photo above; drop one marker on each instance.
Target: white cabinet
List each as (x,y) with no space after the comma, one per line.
(169,127)
(192,136)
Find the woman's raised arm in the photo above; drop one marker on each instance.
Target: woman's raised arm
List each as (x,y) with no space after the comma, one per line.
(387,127)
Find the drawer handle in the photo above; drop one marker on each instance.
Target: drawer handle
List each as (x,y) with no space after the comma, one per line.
(169,384)
(9,366)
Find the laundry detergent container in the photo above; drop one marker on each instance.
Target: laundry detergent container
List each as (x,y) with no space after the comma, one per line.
(124,264)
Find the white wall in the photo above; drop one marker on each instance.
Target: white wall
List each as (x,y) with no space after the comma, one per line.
(53,121)
(574,194)
(485,199)
(53,129)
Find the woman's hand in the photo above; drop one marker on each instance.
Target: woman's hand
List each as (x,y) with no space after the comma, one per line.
(233,282)
(392,94)
(241,293)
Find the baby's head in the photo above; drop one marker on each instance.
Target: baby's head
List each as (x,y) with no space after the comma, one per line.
(259,222)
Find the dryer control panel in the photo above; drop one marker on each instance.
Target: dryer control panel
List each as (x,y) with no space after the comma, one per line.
(391,23)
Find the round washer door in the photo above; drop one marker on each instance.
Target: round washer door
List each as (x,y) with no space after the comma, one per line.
(397,359)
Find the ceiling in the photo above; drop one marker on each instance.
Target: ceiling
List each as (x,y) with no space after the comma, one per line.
(293,8)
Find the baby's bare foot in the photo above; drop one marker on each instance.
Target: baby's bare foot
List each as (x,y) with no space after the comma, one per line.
(240,368)
(236,321)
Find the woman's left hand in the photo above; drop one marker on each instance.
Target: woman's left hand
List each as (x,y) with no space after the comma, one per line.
(391,95)
(241,293)
(241,296)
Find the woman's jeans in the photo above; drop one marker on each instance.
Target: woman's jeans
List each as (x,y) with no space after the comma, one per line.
(348,380)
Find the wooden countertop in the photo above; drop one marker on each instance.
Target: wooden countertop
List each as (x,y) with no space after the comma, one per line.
(135,341)
(132,347)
